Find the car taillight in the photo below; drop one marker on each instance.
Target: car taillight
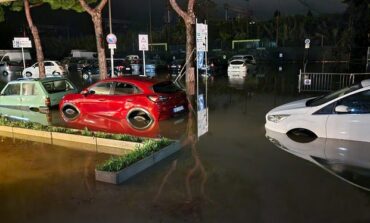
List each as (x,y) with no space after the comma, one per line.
(47,102)
(156,98)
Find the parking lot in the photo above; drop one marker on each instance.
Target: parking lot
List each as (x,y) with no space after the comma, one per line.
(233,174)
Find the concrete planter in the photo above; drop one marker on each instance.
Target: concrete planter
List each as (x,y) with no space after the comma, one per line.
(73,138)
(36,133)
(116,143)
(6,129)
(130,171)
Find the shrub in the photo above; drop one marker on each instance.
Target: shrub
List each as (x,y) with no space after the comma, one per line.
(149,147)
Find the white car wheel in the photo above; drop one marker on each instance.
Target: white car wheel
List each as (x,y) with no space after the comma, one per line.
(55,73)
(28,74)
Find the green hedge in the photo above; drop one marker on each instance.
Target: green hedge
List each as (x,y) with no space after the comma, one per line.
(149,147)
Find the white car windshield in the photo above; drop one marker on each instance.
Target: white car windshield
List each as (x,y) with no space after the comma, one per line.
(326,98)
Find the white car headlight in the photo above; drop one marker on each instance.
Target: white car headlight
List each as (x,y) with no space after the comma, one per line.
(276,118)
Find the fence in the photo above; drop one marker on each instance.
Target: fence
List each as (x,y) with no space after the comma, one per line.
(324,82)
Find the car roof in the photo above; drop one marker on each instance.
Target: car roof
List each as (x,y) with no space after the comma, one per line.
(365,83)
(137,80)
(37,79)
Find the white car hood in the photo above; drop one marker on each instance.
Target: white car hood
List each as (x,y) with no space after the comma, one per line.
(292,107)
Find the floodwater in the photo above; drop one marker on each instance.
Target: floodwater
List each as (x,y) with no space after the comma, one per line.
(235,173)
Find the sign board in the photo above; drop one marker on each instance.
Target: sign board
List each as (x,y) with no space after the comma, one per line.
(307,43)
(202,122)
(202,37)
(112,46)
(22,42)
(307,82)
(143,42)
(111,38)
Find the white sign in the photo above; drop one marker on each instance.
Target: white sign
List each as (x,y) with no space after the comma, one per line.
(307,82)
(307,43)
(202,122)
(111,38)
(143,42)
(202,37)
(112,46)
(22,42)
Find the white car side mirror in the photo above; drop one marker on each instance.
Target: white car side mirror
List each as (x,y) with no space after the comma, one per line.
(342,109)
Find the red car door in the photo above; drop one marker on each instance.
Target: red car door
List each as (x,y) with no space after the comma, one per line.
(98,100)
(123,98)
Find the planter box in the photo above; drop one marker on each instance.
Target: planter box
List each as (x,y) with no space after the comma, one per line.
(30,132)
(6,129)
(123,175)
(73,138)
(116,144)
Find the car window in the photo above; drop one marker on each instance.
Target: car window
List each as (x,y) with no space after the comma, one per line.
(165,87)
(13,89)
(357,103)
(6,58)
(102,88)
(56,86)
(125,88)
(326,98)
(36,65)
(236,62)
(29,89)
(48,64)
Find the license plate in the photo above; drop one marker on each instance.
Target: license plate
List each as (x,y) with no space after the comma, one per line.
(178,109)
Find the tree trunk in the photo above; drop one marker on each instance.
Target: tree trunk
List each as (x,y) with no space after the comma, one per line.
(36,39)
(189,51)
(97,20)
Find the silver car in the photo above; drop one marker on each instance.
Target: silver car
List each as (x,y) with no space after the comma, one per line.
(10,70)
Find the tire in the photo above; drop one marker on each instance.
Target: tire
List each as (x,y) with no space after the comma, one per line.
(5,73)
(85,76)
(70,112)
(28,74)
(55,73)
(139,118)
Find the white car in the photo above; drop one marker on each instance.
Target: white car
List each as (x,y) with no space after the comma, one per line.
(344,114)
(248,58)
(52,68)
(349,160)
(237,68)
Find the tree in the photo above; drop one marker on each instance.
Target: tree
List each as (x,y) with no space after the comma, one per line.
(96,16)
(189,20)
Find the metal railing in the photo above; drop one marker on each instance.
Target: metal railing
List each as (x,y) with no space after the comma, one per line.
(324,82)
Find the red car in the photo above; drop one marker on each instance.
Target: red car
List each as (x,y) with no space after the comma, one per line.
(139,100)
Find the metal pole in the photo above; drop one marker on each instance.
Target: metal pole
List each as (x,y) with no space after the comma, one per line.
(144,62)
(24,62)
(110,31)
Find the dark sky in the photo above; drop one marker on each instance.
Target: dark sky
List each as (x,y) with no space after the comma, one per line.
(262,9)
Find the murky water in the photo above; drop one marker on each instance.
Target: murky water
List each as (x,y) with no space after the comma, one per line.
(234,174)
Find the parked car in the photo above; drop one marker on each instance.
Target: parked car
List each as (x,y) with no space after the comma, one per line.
(70,63)
(346,159)
(52,68)
(344,114)
(36,94)
(237,68)
(84,63)
(121,66)
(175,66)
(248,58)
(131,98)
(10,70)
(213,68)
(94,71)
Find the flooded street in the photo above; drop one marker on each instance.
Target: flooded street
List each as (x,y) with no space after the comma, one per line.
(234,174)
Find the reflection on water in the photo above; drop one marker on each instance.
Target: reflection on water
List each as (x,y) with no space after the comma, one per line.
(348,160)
